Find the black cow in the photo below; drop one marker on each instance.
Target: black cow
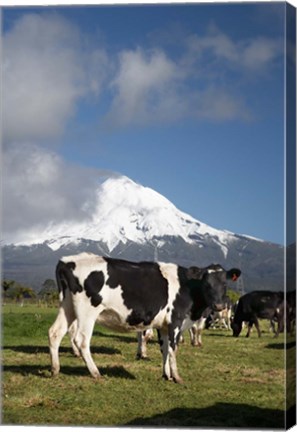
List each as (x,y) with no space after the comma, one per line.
(259,304)
(125,295)
(291,301)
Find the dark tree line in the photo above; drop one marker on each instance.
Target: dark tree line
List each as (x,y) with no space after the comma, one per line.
(14,291)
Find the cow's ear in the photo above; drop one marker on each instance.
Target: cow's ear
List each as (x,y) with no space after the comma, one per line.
(233,274)
(194,273)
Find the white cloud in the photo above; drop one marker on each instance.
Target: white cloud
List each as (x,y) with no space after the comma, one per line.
(260,52)
(46,71)
(49,69)
(39,187)
(150,88)
(215,103)
(142,84)
(247,55)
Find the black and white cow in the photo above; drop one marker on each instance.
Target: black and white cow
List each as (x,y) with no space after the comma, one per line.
(221,319)
(125,295)
(259,304)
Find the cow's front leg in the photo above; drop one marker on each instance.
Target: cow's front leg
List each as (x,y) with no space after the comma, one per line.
(168,340)
(250,325)
(193,335)
(174,334)
(196,340)
(164,347)
(257,327)
(142,339)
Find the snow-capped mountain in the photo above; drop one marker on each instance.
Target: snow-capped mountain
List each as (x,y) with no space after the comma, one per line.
(126,211)
(134,222)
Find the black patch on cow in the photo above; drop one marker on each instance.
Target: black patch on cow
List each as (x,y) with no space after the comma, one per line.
(191,300)
(66,279)
(71,265)
(93,284)
(160,340)
(144,289)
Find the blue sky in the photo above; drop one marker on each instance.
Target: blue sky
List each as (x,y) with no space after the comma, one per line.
(185,99)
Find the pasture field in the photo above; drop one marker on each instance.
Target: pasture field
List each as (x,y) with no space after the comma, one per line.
(230,382)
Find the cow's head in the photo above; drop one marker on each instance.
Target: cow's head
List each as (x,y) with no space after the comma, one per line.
(236,327)
(212,282)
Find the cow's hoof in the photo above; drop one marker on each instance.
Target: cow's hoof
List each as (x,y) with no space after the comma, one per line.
(166,378)
(141,357)
(54,373)
(98,377)
(178,380)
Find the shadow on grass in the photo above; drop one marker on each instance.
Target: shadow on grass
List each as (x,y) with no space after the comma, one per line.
(218,334)
(44,371)
(124,337)
(281,345)
(35,349)
(220,415)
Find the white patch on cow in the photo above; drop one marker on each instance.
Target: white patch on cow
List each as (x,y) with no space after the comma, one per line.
(115,312)
(112,311)
(176,332)
(86,257)
(214,270)
(169,272)
(86,263)
(187,324)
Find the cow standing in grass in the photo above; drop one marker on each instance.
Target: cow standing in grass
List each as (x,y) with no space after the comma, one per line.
(125,295)
(259,304)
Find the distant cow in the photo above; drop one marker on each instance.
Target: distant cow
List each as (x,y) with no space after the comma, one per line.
(222,318)
(125,295)
(211,318)
(291,301)
(259,304)
(195,331)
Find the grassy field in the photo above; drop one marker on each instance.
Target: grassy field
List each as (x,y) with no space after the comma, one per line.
(228,383)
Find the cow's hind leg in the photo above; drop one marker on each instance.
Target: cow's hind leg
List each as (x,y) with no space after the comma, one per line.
(72,332)
(57,331)
(82,339)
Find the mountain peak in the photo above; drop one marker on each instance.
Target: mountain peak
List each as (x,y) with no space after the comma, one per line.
(127,211)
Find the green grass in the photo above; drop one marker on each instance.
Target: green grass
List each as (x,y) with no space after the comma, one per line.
(228,383)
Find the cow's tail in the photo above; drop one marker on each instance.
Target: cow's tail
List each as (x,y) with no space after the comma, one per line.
(63,274)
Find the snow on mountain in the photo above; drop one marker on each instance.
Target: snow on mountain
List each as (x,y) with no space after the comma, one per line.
(127,211)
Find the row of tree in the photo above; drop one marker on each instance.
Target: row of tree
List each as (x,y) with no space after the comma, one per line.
(14,291)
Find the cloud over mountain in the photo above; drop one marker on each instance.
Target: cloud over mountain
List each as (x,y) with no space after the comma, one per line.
(39,188)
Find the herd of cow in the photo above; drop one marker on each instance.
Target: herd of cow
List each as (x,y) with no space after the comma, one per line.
(125,296)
